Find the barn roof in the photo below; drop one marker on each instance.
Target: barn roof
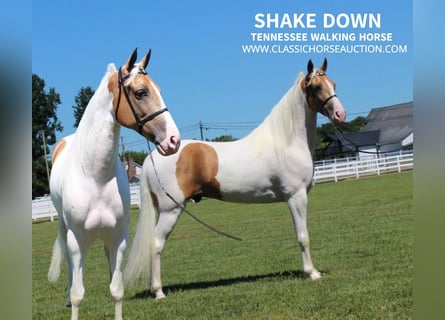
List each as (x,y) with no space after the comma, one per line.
(364,138)
(394,122)
(351,141)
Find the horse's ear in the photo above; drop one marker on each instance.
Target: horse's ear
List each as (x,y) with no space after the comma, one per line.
(128,66)
(146,59)
(310,67)
(325,65)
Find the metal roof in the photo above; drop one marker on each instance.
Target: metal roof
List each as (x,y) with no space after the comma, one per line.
(394,122)
(350,142)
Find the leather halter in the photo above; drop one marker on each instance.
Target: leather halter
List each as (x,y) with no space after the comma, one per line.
(326,101)
(320,107)
(139,121)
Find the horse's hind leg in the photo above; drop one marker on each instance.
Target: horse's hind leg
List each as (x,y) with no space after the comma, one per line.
(115,254)
(165,225)
(297,204)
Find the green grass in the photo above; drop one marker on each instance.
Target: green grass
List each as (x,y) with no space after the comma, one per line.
(361,240)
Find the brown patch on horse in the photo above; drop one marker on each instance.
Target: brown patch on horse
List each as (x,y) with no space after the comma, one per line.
(313,87)
(309,92)
(124,114)
(147,105)
(57,149)
(196,171)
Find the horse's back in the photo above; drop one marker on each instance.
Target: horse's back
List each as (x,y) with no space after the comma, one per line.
(228,171)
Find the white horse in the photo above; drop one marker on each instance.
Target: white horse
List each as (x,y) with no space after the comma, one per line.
(89,186)
(272,163)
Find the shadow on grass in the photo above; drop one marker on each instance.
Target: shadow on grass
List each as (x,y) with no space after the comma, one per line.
(223,282)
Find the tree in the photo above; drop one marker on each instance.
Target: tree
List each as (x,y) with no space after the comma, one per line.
(224,138)
(355,125)
(138,156)
(44,126)
(81,100)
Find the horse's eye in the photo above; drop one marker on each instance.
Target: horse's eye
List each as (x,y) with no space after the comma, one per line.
(139,94)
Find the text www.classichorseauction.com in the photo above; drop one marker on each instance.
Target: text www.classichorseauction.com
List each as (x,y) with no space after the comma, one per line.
(274,34)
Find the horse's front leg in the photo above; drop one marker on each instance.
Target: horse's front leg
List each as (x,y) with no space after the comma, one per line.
(116,256)
(166,223)
(76,251)
(298,204)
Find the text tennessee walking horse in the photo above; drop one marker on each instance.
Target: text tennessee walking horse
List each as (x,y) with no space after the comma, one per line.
(89,186)
(273,163)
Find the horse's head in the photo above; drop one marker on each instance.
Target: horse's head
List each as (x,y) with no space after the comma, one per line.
(320,93)
(138,105)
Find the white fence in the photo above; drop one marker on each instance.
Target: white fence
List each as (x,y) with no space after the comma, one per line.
(331,170)
(354,168)
(135,194)
(43,208)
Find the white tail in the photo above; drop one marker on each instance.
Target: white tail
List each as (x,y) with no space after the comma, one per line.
(140,257)
(56,260)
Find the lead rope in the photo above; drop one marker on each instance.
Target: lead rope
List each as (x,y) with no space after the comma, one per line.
(343,139)
(183,207)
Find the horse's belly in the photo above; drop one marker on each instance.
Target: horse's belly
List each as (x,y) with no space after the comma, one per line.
(250,190)
(253,196)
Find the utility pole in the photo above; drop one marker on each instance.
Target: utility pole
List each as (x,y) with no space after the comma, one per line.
(123,149)
(123,145)
(200,129)
(44,151)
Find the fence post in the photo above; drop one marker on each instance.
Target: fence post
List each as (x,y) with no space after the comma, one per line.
(378,166)
(356,169)
(327,170)
(335,170)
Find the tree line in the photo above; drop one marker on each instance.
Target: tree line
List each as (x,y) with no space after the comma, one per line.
(45,124)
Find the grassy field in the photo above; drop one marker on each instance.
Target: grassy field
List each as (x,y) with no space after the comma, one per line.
(361,240)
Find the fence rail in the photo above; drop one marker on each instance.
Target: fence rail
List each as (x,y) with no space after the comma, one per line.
(332,170)
(350,168)
(43,208)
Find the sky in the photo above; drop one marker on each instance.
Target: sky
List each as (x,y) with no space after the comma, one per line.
(199,63)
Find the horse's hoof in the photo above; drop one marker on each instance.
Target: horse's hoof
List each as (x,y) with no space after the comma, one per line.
(160,296)
(315,275)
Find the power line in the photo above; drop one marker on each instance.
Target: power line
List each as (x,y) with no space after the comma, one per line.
(200,126)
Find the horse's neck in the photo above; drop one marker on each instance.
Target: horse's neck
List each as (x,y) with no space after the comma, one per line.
(97,137)
(305,124)
(291,122)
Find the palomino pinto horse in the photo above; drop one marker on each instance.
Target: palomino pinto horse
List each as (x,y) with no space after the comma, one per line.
(273,163)
(88,183)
